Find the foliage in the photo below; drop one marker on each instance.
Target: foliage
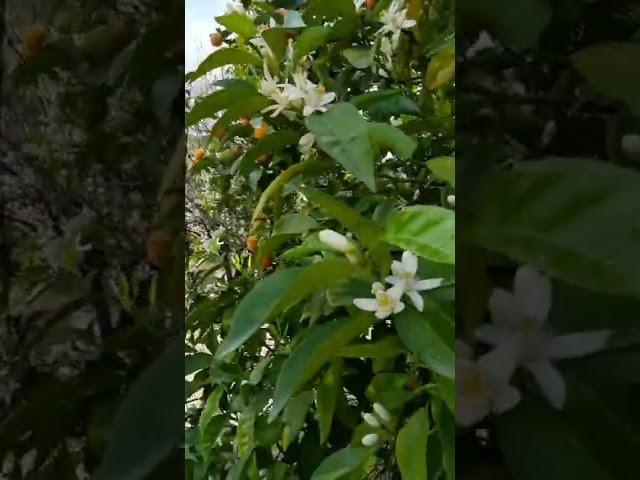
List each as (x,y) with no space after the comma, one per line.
(314,178)
(547,161)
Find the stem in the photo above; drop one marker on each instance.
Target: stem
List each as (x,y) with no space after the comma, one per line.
(280,182)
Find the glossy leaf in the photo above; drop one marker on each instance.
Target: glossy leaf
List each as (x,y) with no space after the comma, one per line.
(294,223)
(441,68)
(146,426)
(309,40)
(544,213)
(383,104)
(358,57)
(210,105)
(411,447)
(238,23)
(257,307)
(613,70)
(390,346)
(444,168)
(344,134)
(222,57)
(340,463)
(319,345)
(419,335)
(428,231)
(294,415)
(327,395)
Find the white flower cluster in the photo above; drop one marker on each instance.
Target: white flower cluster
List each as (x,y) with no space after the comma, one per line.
(387,301)
(303,95)
(520,337)
(377,419)
(395,20)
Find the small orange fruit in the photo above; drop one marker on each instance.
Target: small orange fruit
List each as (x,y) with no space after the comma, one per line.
(266,262)
(159,248)
(216,39)
(261,131)
(199,154)
(244,121)
(371,4)
(33,38)
(252,243)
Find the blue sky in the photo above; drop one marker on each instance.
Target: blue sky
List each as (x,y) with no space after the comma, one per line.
(199,23)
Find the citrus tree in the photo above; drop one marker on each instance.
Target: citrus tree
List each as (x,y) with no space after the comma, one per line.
(320,275)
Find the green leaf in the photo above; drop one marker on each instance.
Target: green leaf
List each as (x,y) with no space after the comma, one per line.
(384,135)
(389,389)
(222,57)
(537,443)
(444,168)
(388,347)
(317,277)
(294,223)
(519,22)
(211,407)
(210,105)
(344,135)
(383,104)
(309,40)
(258,372)
(272,143)
(365,230)
(419,335)
(441,68)
(257,307)
(294,415)
(340,463)
(196,362)
(244,442)
(238,23)
(543,213)
(244,107)
(321,343)
(613,70)
(446,424)
(146,427)
(327,396)
(276,38)
(237,472)
(428,231)
(317,12)
(411,447)
(358,57)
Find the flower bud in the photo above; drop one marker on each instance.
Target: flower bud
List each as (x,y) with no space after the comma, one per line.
(382,412)
(451,200)
(370,440)
(371,420)
(336,241)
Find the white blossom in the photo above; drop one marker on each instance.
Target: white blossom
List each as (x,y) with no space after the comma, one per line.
(385,303)
(518,323)
(395,20)
(371,420)
(305,145)
(382,412)
(370,439)
(404,275)
(482,386)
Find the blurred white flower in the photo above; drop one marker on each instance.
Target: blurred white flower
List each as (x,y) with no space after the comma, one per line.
(396,122)
(269,87)
(370,440)
(314,98)
(482,386)
(382,412)
(336,240)
(385,303)
(371,420)
(395,20)
(305,145)
(518,323)
(451,200)
(404,275)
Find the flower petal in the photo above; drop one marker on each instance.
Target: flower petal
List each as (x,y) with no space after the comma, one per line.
(308,110)
(498,365)
(397,268)
(408,24)
(550,381)
(396,292)
(409,262)
(368,304)
(503,307)
(429,283)
(491,334)
(417,300)
(393,280)
(377,287)
(328,98)
(505,399)
(334,239)
(470,414)
(382,314)
(533,293)
(576,345)
(398,307)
